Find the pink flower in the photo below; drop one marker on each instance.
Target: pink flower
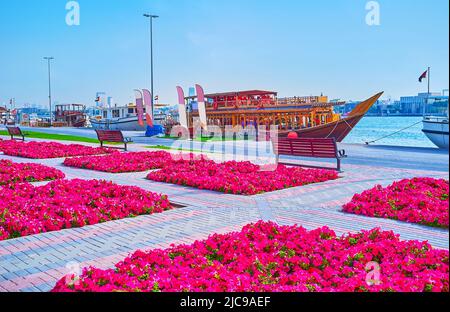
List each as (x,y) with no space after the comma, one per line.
(42,150)
(16,173)
(418,200)
(198,171)
(267,257)
(121,162)
(62,204)
(237,177)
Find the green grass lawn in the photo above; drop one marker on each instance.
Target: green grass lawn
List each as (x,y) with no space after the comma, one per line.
(56,137)
(180,149)
(207,139)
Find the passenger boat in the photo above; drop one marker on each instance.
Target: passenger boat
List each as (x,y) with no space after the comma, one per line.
(124,118)
(436,129)
(311,116)
(435,116)
(70,115)
(340,128)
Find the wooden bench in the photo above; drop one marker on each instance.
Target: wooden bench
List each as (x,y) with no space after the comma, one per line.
(16,132)
(308,147)
(112,136)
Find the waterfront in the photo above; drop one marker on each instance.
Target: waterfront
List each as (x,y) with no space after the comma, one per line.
(373,128)
(369,129)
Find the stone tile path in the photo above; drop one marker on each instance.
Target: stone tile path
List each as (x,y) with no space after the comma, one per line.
(35,263)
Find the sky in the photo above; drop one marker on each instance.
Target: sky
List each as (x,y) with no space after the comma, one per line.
(295,47)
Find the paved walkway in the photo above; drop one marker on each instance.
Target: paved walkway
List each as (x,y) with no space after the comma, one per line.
(35,263)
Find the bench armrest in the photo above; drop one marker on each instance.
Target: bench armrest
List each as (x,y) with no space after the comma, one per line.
(128,140)
(342,154)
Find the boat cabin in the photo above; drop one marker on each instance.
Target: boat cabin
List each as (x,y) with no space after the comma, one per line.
(70,115)
(264,108)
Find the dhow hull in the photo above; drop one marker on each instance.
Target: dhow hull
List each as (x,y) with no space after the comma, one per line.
(338,129)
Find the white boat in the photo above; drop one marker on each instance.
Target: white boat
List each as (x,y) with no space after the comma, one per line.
(122,118)
(435,120)
(436,129)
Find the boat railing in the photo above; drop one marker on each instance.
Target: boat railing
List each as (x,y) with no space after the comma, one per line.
(297,100)
(436,118)
(272,102)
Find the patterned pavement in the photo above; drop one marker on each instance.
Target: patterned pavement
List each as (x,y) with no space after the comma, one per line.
(35,263)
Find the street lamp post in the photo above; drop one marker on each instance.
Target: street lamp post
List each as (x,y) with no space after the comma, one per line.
(49,58)
(151,17)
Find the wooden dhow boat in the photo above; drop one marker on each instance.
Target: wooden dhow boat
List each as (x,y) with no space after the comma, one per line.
(338,129)
(309,117)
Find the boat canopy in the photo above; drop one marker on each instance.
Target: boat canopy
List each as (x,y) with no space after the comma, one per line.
(248,93)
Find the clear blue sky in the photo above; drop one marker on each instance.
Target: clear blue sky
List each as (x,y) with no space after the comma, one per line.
(295,47)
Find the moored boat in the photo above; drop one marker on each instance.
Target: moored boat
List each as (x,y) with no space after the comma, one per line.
(435,115)
(310,116)
(70,115)
(436,129)
(340,128)
(124,118)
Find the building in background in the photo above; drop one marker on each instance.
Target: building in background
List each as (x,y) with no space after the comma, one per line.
(436,104)
(414,105)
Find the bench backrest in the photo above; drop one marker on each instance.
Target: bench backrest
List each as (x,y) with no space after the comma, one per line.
(114,136)
(14,131)
(306,147)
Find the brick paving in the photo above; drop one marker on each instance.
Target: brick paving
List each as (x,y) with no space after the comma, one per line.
(35,263)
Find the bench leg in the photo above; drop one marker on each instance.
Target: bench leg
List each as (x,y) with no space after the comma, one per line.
(101,143)
(339,165)
(126,147)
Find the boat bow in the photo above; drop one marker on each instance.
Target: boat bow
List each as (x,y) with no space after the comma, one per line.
(340,128)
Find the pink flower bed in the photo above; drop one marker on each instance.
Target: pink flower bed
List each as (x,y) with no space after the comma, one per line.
(121,162)
(15,173)
(63,204)
(237,177)
(44,150)
(418,200)
(271,258)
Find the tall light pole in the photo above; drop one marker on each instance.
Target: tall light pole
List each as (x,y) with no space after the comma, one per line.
(49,58)
(151,17)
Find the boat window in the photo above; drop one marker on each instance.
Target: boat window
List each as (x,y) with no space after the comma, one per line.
(116,113)
(130,111)
(105,114)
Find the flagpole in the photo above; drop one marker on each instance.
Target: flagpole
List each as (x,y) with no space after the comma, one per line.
(428,93)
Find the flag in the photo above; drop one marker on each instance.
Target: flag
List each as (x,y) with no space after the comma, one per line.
(201,107)
(148,107)
(182,107)
(423,76)
(139,106)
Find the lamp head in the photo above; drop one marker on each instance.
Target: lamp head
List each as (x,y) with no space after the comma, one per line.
(151,16)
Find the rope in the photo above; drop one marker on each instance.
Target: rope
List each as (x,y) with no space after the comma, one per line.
(389,135)
(331,132)
(336,125)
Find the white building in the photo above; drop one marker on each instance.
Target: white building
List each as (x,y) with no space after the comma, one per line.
(413,105)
